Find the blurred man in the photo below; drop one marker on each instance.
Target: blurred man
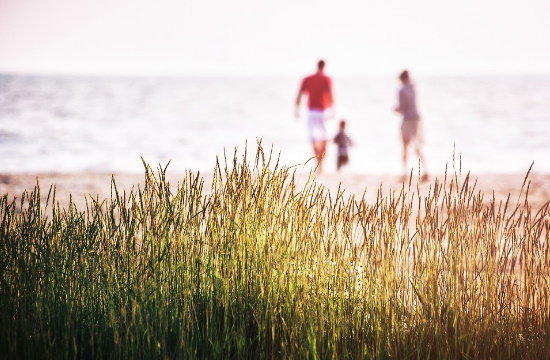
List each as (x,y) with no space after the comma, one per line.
(411,129)
(318,88)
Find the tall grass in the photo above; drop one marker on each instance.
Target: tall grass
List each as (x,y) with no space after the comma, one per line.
(261,266)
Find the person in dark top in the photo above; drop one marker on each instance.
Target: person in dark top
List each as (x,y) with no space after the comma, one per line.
(343,141)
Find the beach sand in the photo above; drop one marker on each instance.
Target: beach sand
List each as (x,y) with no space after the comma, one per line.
(98,185)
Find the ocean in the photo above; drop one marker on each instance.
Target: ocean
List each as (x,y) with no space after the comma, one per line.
(491,124)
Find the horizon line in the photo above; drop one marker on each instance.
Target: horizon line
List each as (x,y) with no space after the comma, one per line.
(335,74)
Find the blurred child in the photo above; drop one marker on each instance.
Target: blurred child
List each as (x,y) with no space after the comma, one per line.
(343,141)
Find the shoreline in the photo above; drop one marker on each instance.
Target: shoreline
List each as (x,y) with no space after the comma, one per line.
(82,185)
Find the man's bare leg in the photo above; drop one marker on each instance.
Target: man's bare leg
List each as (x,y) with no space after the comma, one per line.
(319,148)
(425,176)
(405,152)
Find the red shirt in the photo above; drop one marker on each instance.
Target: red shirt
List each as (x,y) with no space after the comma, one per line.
(319,88)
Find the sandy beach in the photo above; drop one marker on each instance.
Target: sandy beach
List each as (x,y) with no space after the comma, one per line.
(85,185)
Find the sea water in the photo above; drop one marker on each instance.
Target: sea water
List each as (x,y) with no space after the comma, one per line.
(498,124)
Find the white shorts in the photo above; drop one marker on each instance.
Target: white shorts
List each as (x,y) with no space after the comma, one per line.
(316,125)
(411,130)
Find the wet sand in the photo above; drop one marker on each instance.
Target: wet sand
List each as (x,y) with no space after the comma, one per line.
(98,185)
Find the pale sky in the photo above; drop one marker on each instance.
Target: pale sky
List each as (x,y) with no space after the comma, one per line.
(275,37)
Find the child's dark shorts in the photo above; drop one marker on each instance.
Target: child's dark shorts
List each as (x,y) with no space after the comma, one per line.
(342,160)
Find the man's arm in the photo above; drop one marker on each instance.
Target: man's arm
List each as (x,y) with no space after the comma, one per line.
(299,99)
(297,106)
(330,99)
(400,105)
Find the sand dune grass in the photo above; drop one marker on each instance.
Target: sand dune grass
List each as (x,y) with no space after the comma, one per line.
(259,266)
